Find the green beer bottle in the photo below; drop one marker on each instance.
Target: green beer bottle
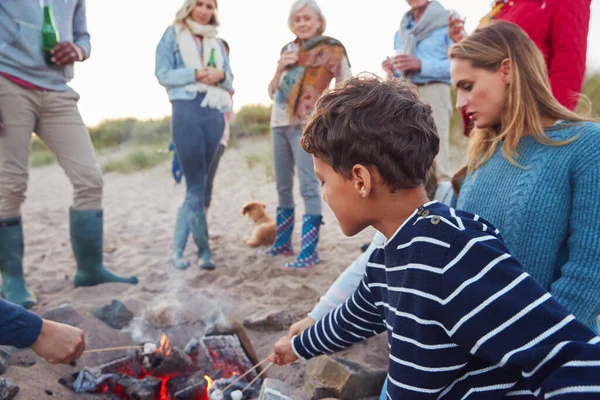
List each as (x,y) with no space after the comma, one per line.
(50,36)
(211,61)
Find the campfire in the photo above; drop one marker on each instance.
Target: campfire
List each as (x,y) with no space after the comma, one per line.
(217,367)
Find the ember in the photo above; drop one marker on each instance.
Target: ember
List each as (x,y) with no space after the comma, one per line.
(165,372)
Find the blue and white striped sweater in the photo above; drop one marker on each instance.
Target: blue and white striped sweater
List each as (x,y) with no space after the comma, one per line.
(463,319)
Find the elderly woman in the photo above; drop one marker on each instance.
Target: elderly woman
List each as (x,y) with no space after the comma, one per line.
(421,45)
(305,70)
(191,63)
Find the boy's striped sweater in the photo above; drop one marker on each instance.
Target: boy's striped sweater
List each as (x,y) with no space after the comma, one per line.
(463,319)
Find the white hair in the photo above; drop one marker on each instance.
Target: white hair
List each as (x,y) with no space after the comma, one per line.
(300,4)
(186,10)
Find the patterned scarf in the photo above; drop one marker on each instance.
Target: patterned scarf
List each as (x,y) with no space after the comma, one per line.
(497,6)
(319,61)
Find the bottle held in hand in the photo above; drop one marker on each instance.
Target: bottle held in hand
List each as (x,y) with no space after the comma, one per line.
(212,60)
(50,35)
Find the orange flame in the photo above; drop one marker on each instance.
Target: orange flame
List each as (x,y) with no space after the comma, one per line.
(165,346)
(209,382)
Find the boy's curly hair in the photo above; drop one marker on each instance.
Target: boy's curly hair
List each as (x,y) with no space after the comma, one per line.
(375,123)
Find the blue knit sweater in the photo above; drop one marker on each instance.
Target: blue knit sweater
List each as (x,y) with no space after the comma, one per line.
(548,212)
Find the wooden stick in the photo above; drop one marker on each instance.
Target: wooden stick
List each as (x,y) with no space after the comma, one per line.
(112,349)
(247,372)
(256,377)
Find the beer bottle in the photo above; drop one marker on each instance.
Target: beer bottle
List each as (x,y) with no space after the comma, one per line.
(212,60)
(50,35)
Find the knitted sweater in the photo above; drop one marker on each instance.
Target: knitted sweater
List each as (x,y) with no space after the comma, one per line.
(548,212)
(559,28)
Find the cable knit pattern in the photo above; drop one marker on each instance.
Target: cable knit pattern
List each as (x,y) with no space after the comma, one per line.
(548,212)
(559,28)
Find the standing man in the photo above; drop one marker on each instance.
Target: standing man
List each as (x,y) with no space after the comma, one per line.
(421,45)
(34,97)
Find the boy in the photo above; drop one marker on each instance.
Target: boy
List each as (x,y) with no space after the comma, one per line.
(462,318)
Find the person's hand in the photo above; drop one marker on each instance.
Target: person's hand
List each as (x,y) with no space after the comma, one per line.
(300,326)
(456,28)
(211,76)
(388,65)
(283,353)
(59,343)
(288,58)
(406,63)
(66,53)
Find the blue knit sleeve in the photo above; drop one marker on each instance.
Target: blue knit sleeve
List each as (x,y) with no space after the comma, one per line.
(578,288)
(18,327)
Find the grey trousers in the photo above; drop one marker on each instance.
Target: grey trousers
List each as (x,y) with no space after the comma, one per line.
(289,155)
(54,117)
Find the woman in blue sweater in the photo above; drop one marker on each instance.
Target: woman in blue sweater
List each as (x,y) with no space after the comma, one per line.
(533,166)
(192,65)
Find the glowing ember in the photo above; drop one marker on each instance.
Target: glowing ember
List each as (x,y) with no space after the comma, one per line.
(165,346)
(209,382)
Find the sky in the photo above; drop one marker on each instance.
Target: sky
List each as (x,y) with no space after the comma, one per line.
(118,80)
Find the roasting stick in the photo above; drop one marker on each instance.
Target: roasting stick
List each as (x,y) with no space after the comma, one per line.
(256,377)
(112,349)
(247,372)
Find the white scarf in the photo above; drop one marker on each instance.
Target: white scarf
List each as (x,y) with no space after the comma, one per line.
(216,97)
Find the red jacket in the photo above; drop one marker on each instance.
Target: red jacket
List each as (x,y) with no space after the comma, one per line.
(559,28)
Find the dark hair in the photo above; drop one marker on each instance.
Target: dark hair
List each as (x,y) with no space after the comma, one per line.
(376,123)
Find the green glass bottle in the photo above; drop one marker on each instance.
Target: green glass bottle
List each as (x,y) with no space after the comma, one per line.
(50,35)
(212,60)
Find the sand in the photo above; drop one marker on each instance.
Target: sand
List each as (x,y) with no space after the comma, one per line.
(140,211)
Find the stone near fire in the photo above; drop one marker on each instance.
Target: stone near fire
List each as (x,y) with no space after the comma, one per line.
(145,389)
(64,313)
(5,353)
(343,379)
(272,321)
(274,389)
(8,389)
(115,315)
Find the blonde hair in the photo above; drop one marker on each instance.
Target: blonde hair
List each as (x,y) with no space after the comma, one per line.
(300,4)
(529,97)
(186,10)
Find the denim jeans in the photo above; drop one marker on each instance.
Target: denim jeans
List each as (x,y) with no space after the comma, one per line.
(196,133)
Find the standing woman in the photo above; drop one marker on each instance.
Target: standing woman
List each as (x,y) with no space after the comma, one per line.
(305,70)
(192,65)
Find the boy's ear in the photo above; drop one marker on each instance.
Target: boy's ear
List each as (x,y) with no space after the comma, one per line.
(363,180)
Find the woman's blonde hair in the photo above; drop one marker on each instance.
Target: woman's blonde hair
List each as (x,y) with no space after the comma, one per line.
(186,10)
(300,4)
(529,97)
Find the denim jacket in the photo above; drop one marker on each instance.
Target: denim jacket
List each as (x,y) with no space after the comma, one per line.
(172,73)
(21,52)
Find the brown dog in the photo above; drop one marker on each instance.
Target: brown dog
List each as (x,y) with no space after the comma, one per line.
(264,229)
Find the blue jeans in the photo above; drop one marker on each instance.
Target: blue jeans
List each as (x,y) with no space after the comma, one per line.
(196,133)
(383,395)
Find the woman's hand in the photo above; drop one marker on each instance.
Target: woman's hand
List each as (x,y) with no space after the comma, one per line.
(283,353)
(300,326)
(456,28)
(288,58)
(210,76)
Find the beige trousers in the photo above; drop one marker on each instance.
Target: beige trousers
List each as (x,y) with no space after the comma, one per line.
(54,117)
(437,95)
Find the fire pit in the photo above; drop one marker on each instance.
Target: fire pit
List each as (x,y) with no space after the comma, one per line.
(160,371)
